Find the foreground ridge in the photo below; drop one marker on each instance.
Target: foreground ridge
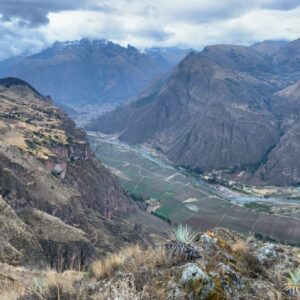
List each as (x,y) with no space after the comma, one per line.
(228,266)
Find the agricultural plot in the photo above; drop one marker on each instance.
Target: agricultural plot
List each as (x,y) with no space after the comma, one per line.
(186,199)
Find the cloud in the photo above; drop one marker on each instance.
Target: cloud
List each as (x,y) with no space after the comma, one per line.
(35,24)
(281,4)
(199,11)
(17,40)
(154,34)
(35,12)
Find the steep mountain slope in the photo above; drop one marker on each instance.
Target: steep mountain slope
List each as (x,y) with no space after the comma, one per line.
(59,205)
(240,58)
(205,116)
(285,103)
(17,237)
(268,47)
(287,59)
(248,60)
(229,108)
(88,72)
(282,166)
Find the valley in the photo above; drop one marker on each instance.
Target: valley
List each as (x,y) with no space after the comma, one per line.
(179,197)
(149,150)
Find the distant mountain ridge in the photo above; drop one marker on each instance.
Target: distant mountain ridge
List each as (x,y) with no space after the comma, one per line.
(222,109)
(268,46)
(172,55)
(91,72)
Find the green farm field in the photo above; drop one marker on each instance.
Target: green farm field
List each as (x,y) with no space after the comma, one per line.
(184,198)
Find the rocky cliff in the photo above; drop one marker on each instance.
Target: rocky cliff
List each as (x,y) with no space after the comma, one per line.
(60,206)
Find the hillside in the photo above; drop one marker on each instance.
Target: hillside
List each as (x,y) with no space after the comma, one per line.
(90,72)
(282,167)
(287,59)
(203,109)
(268,47)
(218,110)
(68,231)
(59,205)
(218,264)
(239,58)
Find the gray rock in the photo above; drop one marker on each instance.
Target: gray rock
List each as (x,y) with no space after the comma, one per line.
(92,287)
(207,241)
(193,272)
(235,277)
(266,253)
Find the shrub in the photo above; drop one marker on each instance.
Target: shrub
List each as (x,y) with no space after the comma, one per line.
(240,247)
(31,144)
(105,267)
(129,260)
(55,173)
(183,234)
(69,140)
(55,285)
(292,284)
(136,197)
(253,264)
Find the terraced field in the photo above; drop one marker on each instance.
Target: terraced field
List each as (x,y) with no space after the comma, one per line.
(183,198)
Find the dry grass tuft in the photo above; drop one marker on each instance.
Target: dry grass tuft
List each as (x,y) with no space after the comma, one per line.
(63,281)
(12,292)
(129,260)
(124,289)
(240,247)
(55,285)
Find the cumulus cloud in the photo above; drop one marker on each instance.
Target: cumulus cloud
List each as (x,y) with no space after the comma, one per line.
(16,40)
(35,24)
(35,12)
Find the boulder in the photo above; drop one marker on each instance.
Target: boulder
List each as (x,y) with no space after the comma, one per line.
(207,241)
(233,276)
(266,253)
(192,272)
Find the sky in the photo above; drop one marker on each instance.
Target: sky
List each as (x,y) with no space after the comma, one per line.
(27,26)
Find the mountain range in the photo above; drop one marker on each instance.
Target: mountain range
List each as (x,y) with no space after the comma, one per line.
(231,109)
(69,231)
(85,72)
